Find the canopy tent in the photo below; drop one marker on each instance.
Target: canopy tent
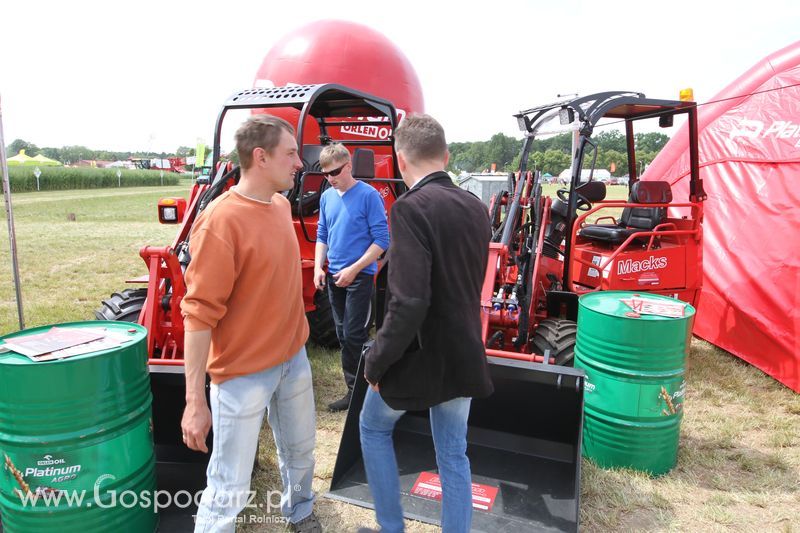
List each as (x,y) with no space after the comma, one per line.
(21,159)
(750,161)
(44,161)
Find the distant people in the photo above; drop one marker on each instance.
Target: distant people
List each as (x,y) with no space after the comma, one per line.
(352,233)
(245,324)
(428,354)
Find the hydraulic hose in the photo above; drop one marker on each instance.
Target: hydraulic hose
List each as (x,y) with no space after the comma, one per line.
(513,213)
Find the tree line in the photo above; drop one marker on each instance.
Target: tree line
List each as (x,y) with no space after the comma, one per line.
(72,154)
(552,155)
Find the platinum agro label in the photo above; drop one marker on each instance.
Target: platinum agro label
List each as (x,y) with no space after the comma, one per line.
(73,467)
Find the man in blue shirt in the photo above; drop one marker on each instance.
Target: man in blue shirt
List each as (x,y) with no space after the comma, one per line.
(352,233)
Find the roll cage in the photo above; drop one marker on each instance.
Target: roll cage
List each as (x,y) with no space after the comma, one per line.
(588,111)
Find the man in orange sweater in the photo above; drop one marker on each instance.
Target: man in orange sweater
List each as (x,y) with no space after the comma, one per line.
(245,325)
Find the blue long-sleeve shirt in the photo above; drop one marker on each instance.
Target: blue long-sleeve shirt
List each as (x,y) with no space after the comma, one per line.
(350,223)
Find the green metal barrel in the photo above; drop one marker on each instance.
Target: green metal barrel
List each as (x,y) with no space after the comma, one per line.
(76,438)
(635,386)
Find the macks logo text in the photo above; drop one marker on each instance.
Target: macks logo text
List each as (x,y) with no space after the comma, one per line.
(629,266)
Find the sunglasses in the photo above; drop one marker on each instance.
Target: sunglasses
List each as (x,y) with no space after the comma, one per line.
(335,172)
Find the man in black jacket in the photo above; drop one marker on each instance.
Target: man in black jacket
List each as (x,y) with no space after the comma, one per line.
(428,353)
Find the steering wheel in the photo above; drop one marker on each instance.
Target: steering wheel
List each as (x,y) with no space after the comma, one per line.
(582,203)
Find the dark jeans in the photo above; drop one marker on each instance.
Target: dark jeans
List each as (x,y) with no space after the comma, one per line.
(351,309)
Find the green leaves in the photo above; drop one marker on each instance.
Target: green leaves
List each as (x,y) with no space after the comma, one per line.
(552,155)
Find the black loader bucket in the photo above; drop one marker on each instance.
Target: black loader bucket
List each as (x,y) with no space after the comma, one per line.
(177,467)
(524,446)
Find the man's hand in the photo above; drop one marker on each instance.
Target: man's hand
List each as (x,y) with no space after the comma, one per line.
(195,425)
(345,276)
(373,386)
(319,278)
(196,417)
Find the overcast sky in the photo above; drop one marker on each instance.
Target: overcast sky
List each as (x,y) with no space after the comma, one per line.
(146,75)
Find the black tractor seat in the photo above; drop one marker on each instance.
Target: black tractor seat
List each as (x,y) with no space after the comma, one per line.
(634,219)
(363,164)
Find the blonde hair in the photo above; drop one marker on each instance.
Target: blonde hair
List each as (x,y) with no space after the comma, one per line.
(332,154)
(260,131)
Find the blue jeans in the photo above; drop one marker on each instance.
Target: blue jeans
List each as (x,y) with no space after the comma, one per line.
(449,428)
(351,310)
(237,411)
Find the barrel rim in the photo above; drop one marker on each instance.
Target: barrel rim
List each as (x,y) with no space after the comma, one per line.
(691,311)
(17,359)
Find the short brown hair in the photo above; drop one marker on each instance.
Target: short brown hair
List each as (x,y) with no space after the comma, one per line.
(259,131)
(420,138)
(333,153)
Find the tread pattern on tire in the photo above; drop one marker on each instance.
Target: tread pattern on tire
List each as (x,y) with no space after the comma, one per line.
(322,329)
(123,306)
(558,336)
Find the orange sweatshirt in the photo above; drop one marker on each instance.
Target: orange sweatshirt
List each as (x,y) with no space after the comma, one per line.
(244,283)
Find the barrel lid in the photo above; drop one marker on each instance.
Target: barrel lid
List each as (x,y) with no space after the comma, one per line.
(122,335)
(612,303)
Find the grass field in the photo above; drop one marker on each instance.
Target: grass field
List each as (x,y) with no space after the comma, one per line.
(739,460)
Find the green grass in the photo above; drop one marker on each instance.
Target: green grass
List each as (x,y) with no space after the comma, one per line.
(77,247)
(739,458)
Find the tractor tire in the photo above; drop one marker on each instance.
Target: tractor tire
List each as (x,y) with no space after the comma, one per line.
(558,336)
(123,306)
(322,329)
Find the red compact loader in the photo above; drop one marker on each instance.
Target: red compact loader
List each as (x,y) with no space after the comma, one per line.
(545,253)
(524,442)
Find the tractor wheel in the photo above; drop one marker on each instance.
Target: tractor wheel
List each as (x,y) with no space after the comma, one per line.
(322,328)
(320,322)
(558,336)
(123,306)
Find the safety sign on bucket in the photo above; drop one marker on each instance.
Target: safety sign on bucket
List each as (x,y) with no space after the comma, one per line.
(428,485)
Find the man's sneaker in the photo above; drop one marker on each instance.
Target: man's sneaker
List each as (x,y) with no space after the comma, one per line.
(309,524)
(341,404)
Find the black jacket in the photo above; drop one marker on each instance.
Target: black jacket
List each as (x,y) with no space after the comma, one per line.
(429,348)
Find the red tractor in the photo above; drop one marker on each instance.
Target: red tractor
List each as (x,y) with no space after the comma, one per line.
(335,110)
(545,253)
(169,164)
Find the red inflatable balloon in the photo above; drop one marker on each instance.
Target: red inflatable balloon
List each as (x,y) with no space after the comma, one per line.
(350,54)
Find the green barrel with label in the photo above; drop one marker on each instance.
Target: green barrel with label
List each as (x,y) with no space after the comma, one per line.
(76,437)
(634,390)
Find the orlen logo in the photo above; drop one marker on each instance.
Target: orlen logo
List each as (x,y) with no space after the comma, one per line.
(371,130)
(629,266)
(48,460)
(754,129)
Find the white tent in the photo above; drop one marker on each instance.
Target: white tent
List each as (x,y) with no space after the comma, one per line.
(600,174)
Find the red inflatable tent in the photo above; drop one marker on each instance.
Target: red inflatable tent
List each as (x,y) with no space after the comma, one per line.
(750,163)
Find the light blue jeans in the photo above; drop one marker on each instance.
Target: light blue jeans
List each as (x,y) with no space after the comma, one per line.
(449,428)
(237,411)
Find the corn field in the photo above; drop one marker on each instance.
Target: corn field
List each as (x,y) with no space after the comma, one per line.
(22,179)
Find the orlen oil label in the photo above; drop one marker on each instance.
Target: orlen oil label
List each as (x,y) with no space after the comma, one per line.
(76,464)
